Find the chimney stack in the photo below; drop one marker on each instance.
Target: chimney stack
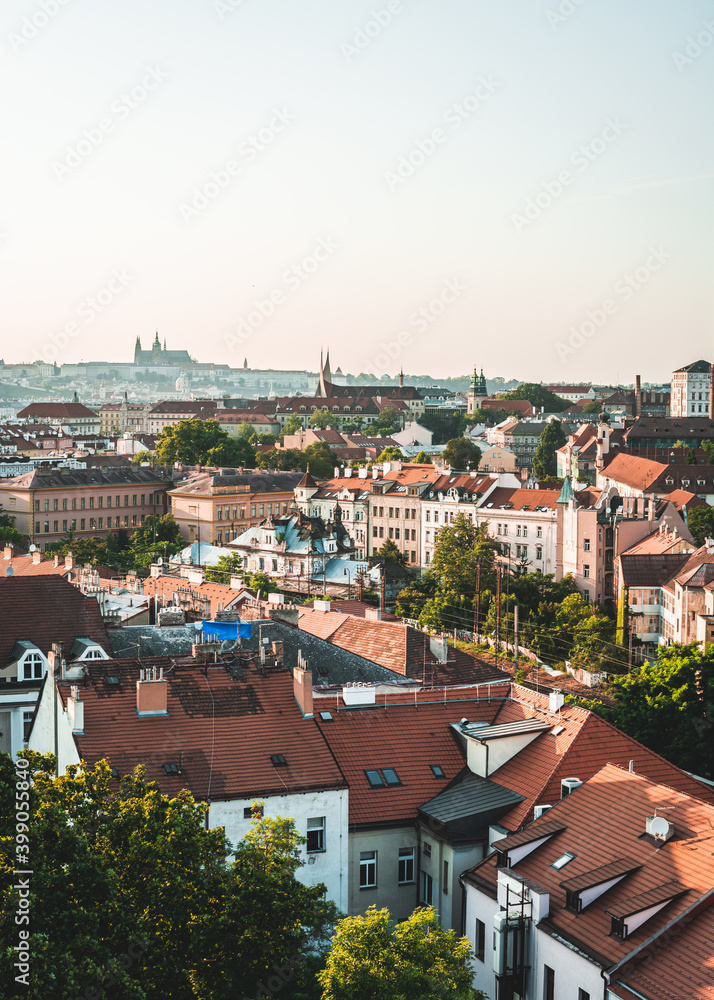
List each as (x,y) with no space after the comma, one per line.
(152,691)
(75,710)
(302,688)
(69,561)
(36,557)
(8,550)
(638,396)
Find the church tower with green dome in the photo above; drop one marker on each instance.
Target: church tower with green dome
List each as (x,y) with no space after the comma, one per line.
(477,391)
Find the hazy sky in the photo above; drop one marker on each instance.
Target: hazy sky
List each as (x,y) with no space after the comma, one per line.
(468,182)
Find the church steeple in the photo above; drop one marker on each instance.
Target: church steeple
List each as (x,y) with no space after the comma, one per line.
(324,388)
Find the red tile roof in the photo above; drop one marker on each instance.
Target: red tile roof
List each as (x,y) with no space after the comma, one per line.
(44,610)
(408,738)
(220,595)
(683,498)
(254,718)
(605,820)
(62,411)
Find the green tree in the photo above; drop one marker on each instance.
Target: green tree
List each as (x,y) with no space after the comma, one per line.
(387,422)
(374,958)
(322,419)
(389,552)
(422,458)
(669,706)
(6,520)
(202,442)
(391,454)
(134,873)
(321,460)
(462,454)
(700,521)
(708,447)
(262,583)
(8,534)
(691,458)
(592,407)
(291,426)
(538,396)
(157,536)
(226,567)
(545,461)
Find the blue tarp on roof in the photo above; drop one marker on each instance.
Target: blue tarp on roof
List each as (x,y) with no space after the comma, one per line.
(228,630)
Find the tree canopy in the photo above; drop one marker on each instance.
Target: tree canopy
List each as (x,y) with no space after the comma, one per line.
(545,461)
(132,897)
(390,553)
(462,454)
(227,566)
(203,442)
(374,958)
(539,396)
(391,454)
(700,521)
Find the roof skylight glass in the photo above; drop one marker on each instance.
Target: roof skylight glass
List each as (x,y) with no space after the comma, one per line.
(562,861)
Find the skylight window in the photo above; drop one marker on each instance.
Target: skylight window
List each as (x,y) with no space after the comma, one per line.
(278,760)
(390,776)
(172,768)
(438,771)
(375,779)
(326,716)
(562,861)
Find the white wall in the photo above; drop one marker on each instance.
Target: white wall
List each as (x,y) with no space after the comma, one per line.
(330,866)
(42,737)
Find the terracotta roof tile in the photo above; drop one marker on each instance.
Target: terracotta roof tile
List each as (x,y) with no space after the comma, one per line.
(254,718)
(46,609)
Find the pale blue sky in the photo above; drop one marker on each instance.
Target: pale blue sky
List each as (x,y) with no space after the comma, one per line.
(330,174)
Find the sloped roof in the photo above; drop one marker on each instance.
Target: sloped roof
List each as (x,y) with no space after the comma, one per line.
(61,411)
(683,498)
(605,820)
(253,718)
(701,367)
(46,609)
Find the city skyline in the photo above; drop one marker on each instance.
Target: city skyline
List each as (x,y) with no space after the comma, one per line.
(527,189)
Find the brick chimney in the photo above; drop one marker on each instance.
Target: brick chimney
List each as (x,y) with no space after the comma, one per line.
(56,561)
(152,691)
(55,661)
(36,557)
(302,687)
(638,396)
(75,710)
(8,550)
(69,561)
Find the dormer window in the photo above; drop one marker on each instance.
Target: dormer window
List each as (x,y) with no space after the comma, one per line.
(33,666)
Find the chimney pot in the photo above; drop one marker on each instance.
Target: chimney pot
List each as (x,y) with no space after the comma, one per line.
(302,689)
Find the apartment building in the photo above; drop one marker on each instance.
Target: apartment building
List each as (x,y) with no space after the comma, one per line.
(219,505)
(691,390)
(171,411)
(117,418)
(49,503)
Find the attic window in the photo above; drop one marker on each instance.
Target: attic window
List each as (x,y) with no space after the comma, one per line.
(562,861)
(437,771)
(172,768)
(390,776)
(114,772)
(326,716)
(278,760)
(111,680)
(375,779)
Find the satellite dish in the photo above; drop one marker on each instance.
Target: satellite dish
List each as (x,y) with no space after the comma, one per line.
(33,548)
(9,571)
(659,827)
(159,561)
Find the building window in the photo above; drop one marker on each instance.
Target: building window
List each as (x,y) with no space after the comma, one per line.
(548,983)
(315,834)
(539,532)
(583,995)
(252,510)
(101,502)
(47,505)
(109,501)
(374,531)
(91,503)
(426,889)
(407,862)
(539,551)
(586,544)
(445,879)
(32,667)
(74,503)
(235,513)
(228,513)
(83,503)
(219,514)
(55,526)
(74,524)
(249,812)
(92,524)
(47,527)
(220,537)
(26,723)
(55,505)
(64,504)
(368,870)
(480,941)
(586,571)
(101,523)
(426,848)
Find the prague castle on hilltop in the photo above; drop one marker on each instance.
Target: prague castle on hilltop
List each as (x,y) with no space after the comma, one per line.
(158,355)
